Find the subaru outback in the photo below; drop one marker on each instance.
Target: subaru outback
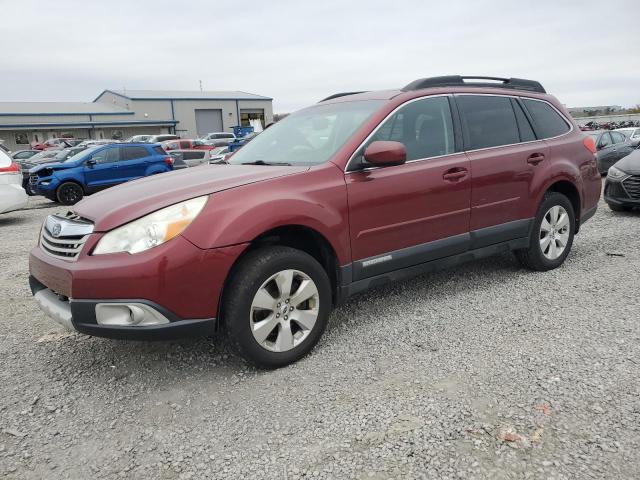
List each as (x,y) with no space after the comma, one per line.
(353,192)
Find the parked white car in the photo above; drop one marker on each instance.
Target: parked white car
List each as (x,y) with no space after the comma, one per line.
(218,138)
(12,195)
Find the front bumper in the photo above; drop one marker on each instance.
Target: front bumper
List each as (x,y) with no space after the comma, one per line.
(12,197)
(176,281)
(615,194)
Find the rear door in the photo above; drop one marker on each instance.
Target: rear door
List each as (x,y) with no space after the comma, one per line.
(505,158)
(606,152)
(413,213)
(134,162)
(621,146)
(104,172)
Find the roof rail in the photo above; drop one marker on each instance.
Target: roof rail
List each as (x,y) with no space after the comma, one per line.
(338,95)
(460,81)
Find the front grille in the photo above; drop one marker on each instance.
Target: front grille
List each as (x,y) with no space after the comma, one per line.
(64,237)
(632,186)
(33,179)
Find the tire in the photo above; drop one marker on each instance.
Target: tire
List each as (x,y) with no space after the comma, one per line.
(255,282)
(618,208)
(69,193)
(544,252)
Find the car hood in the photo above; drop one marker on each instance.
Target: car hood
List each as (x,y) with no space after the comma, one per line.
(122,204)
(630,163)
(42,164)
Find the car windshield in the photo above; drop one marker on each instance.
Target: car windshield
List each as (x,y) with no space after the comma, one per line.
(82,153)
(307,137)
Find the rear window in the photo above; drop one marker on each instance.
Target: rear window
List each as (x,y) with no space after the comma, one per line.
(159,150)
(193,155)
(548,122)
(490,121)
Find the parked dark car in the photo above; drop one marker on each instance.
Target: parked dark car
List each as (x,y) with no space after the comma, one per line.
(622,185)
(611,146)
(97,168)
(347,194)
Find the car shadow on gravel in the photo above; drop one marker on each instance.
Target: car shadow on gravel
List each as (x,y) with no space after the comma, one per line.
(10,219)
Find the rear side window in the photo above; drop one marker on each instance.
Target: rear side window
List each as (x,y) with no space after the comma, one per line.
(159,150)
(490,121)
(184,144)
(618,137)
(526,132)
(193,155)
(424,127)
(548,122)
(131,153)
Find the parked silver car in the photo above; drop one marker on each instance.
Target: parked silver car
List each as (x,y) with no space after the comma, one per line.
(192,158)
(632,134)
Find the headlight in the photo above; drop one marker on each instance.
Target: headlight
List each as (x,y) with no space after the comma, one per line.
(152,230)
(616,174)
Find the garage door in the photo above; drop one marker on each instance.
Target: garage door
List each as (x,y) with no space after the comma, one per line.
(208,121)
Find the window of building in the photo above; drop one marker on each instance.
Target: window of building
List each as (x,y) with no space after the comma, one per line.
(548,122)
(247,115)
(490,121)
(23,139)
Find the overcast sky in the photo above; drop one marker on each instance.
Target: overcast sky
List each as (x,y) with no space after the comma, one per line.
(584,52)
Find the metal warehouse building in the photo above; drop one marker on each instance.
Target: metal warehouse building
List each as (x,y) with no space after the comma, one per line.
(121,114)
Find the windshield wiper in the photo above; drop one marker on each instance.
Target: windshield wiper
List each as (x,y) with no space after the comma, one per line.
(262,162)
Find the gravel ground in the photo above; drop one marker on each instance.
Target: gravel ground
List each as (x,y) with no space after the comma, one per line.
(487,371)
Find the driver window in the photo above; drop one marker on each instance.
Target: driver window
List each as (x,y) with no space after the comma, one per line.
(106,156)
(424,127)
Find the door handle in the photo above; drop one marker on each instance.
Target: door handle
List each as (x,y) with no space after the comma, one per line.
(455,174)
(535,158)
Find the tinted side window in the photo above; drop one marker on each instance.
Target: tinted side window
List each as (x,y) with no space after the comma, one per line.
(193,155)
(424,127)
(526,132)
(185,144)
(618,137)
(605,140)
(131,153)
(547,121)
(159,151)
(108,155)
(490,121)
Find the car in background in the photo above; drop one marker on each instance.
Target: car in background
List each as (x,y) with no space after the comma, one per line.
(23,154)
(104,141)
(44,157)
(622,185)
(12,195)
(162,138)
(219,138)
(3,147)
(139,139)
(54,143)
(632,133)
(186,144)
(191,158)
(219,154)
(611,146)
(97,168)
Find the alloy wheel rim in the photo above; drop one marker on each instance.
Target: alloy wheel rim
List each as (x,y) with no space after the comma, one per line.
(284,310)
(554,232)
(70,193)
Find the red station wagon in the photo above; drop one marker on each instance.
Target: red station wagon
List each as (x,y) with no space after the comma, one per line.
(355,191)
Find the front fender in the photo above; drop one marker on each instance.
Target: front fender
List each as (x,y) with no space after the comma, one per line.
(316,199)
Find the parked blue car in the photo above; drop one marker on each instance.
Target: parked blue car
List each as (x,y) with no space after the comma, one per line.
(97,168)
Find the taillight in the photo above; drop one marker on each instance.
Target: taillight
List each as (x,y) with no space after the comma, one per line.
(12,168)
(590,144)
(168,160)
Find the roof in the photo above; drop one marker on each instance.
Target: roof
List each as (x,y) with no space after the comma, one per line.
(185,95)
(59,108)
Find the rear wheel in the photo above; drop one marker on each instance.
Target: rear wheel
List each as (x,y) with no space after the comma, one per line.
(69,193)
(552,234)
(276,305)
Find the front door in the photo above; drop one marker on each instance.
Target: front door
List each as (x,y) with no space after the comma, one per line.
(102,170)
(505,157)
(416,212)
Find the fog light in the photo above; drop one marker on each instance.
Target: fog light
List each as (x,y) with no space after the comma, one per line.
(128,315)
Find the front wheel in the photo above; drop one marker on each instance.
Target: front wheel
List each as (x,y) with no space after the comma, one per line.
(552,234)
(276,305)
(69,193)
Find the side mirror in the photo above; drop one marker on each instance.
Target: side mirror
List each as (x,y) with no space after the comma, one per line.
(90,163)
(385,153)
